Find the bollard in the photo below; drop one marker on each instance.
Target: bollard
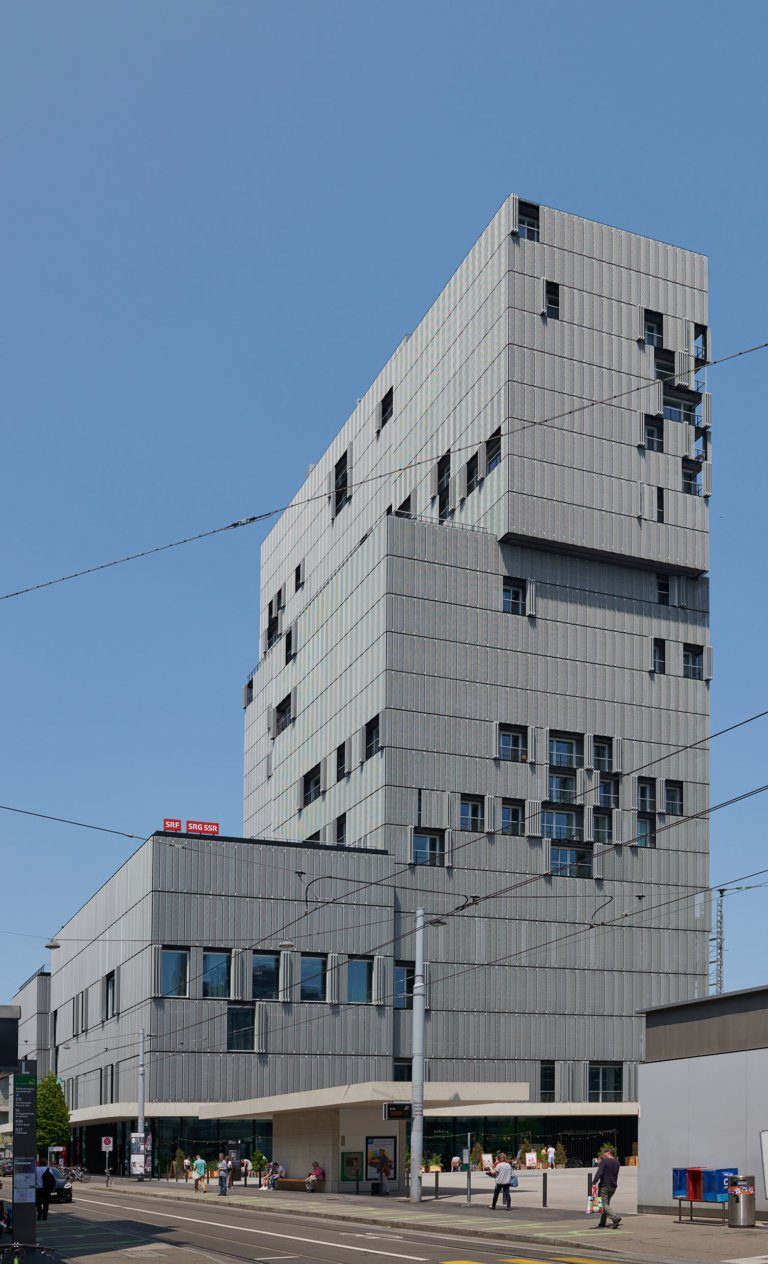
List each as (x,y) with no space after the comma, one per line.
(589,1184)
(544,1191)
(357,1184)
(437,1188)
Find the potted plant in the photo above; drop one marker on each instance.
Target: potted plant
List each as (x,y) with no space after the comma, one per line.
(435,1163)
(476,1156)
(561,1158)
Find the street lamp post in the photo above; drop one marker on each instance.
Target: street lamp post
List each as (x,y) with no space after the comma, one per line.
(417,1073)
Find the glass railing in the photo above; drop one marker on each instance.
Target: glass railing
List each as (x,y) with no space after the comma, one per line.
(565,759)
(564,833)
(572,869)
(558,794)
(680,413)
(653,338)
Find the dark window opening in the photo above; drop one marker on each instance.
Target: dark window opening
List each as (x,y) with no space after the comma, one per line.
(241,1031)
(313,972)
(472,813)
(387,407)
(673,798)
(341,483)
(444,486)
(552,300)
(405,972)
(312,785)
(289,654)
(566,750)
(402,1070)
(298,577)
(571,862)
(472,479)
(603,754)
(659,656)
(273,630)
(429,847)
(372,738)
(109,995)
(662,589)
(561,787)
(605,1081)
(404,510)
(513,817)
(359,981)
(659,504)
(493,451)
(283,714)
(265,976)
(513,743)
(646,830)
(691,478)
(216,973)
(693,662)
(513,596)
(608,792)
(646,794)
(341,761)
(664,365)
(654,329)
(602,826)
(654,434)
(341,830)
(528,221)
(547,1082)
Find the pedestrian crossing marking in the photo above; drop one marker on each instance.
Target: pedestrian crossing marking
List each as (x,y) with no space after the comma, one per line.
(583,1259)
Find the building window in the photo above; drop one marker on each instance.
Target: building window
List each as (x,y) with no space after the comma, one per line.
(341,830)
(646,831)
(513,743)
(605,1081)
(693,662)
(679,410)
(566,752)
(659,656)
(646,794)
(174,971)
(402,1070)
(387,407)
(513,817)
(561,787)
(313,838)
(404,510)
(654,435)
(312,785)
(472,479)
(283,715)
(289,654)
(608,792)
(561,825)
(552,300)
(662,590)
(602,826)
(216,973)
(109,1083)
(313,971)
(691,479)
(659,504)
(664,365)
(428,847)
(109,995)
(340,483)
(372,744)
(513,596)
(654,327)
(298,577)
(603,754)
(359,981)
(273,628)
(341,761)
(444,486)
(265,976)
(673,798)
(546,1081)
(528,221)
(493,451)
(240,1029)
(473,813)
(571,862)
(405,973)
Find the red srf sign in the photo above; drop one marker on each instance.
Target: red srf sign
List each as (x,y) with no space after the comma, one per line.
(171,825)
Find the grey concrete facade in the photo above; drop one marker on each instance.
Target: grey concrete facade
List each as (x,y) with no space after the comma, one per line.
(704,1091)
(34,1000)
(600,512)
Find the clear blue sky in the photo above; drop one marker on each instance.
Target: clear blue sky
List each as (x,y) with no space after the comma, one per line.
(218,219)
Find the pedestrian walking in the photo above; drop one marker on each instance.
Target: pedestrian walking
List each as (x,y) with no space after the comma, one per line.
(223,1176)
(502,1171)
(230,1173)
(45,1184)
(200,1174)
(604,1183)
(385,1171)
(551,1156)
(187,1167)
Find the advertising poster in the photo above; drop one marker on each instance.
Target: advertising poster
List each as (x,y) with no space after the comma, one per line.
(351,1168)
(141,1154)
(377,1148)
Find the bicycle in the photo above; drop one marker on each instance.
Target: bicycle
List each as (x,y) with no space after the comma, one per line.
(20,1252)
(107,1178)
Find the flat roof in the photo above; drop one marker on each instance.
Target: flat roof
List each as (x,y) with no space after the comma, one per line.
(370,1093)
(706,1000)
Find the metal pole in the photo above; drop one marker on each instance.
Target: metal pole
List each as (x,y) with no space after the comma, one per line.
(417,1075)
(141,1099)
(544,1191)
(469,1168)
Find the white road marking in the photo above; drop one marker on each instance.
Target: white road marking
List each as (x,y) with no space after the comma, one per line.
(266,1233)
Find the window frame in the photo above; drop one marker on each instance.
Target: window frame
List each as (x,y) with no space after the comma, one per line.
(514,739)
(225,955)
(249,1030)
(405,973)
(659,656)
(576,861)
(274,991)
(432,857)
(341,761)
(341,494)
(512,600)
(601,1092)
(493,452)
(340,830)
(182,952)
(372,737)
(654,434)
(674,788)
(305,980)
(646,795)
(472,813)
(552,300)
(386,407)
(516,820)
(110,995)
(312,785)
(693,662)
(352,962)
(547,1077)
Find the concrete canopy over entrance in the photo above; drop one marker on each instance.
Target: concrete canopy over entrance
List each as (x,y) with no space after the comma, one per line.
(330,1123)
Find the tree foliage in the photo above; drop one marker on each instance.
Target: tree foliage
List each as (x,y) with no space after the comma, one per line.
(52,1114)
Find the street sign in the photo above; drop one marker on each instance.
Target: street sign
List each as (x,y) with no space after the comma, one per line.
(107,1144)
(171,825)
(398,1110)
(24,1152)
(202,827)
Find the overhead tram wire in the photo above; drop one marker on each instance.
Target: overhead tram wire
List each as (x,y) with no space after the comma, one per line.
(373,478)
(437,917)
(510,890)
(408,867)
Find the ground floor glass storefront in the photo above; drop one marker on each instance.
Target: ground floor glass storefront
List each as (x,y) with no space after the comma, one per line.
(207,1137)
(580,1135)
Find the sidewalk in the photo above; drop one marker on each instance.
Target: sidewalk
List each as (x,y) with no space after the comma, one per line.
(648,1238)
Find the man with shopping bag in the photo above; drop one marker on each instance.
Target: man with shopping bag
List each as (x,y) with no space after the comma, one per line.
(604,1184)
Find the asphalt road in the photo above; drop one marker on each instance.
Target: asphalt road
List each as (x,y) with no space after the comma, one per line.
(109,1226)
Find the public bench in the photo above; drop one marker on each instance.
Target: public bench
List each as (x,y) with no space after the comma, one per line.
(297,1182)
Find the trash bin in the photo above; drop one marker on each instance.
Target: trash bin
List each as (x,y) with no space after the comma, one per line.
(741,1202)
(376,1187)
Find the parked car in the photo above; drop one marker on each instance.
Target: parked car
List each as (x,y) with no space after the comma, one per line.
(63,1190)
